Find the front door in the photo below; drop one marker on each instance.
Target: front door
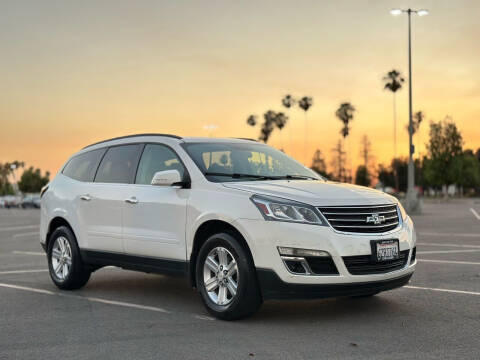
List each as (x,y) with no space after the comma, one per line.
(154,216)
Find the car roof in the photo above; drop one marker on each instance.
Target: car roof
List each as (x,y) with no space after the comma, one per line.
(153,136)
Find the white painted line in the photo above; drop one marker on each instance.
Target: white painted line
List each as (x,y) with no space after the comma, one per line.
(119,303)
(22,271)
(449,245)
(447,251)
(11,228)
(450,262)
(18,287)
(449,235)
(26,234)
(475,213)
(92,299)
(204,317)
(443,290)
(29,253)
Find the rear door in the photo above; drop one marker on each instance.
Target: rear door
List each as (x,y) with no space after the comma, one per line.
(154,222)
(107,195)
(81,169)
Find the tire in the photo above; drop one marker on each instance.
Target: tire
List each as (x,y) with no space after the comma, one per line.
(73,274)
(247,299)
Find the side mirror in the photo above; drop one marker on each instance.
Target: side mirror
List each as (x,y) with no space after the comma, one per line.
(166,178)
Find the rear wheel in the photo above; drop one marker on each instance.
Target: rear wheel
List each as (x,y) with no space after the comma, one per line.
(226,278)
(64,262)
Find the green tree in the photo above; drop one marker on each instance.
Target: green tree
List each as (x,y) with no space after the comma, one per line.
(469,170)
(443,167)
(32,180)
(362,177)
(318,164)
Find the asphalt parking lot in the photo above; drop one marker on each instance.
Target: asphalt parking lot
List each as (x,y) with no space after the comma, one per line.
(127,315)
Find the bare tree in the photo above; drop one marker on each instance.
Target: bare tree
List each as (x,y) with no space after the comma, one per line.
(338,162)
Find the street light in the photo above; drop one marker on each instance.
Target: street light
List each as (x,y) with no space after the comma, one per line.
(411,199)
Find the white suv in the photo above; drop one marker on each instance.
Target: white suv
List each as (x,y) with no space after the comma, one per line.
(242,220)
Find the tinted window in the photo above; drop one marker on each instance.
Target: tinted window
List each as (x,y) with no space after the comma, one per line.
(119,164)
(157,158)
(83,167)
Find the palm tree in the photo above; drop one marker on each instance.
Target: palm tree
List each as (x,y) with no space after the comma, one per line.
(393,82)
(305,103)
(252,120)
(272,119)
(345,114)
(288,101)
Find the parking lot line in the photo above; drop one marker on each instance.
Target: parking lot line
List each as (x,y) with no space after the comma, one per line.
(447,251)
(449,262)
(35,253)
(443,290)
(26,234)
(19,227)
(448,235)
(449,245)
(475,213)
(92,299)
(22,271)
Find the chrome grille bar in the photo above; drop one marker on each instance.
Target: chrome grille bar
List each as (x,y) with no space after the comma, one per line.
(362,219)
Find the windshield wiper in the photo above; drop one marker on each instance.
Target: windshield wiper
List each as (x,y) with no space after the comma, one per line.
(300,177)
(238,176)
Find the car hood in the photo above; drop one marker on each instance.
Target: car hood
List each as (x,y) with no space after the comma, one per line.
(317,193)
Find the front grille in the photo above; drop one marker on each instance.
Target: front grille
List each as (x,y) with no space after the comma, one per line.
(365,265)
(362,219)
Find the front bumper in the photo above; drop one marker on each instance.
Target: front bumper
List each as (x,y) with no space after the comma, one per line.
(274,288)
(263,238)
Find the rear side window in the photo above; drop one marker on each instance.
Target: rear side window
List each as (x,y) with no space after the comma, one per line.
(157,158)
(83,167)
(119,164)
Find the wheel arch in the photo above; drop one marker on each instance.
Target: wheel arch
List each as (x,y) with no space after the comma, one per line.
(203,232)
(54,224)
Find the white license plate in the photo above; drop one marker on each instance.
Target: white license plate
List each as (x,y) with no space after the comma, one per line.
(386,250)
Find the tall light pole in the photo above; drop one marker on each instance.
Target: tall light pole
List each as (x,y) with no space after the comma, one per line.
(411,197)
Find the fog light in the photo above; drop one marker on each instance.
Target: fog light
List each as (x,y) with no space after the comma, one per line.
(286,251)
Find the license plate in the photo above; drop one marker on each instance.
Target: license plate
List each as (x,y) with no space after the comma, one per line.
(384,250)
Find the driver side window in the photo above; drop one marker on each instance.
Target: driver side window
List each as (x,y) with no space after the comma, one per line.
(156,158)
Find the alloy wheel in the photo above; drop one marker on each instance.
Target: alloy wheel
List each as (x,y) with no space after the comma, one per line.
(61,257)
(220,276)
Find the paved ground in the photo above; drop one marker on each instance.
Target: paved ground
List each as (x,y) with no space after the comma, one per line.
(127,315)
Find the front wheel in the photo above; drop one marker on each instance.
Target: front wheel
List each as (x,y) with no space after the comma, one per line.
(64,262)
(226,278)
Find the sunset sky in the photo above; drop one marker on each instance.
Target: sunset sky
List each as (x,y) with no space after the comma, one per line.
(76,72)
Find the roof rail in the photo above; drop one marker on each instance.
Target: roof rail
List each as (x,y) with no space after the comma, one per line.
(249,139)
(131,136)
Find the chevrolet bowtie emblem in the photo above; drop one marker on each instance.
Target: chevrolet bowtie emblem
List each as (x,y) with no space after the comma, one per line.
(375,219)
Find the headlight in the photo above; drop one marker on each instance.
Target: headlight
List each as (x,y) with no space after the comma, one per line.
(283,210)
(403,213)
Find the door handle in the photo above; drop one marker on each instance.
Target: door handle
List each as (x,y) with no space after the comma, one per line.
(132,200)
(86,197)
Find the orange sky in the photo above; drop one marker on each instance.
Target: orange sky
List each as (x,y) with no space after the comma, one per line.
(72,74)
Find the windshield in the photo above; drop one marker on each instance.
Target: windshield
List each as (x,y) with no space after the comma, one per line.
(221,162)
